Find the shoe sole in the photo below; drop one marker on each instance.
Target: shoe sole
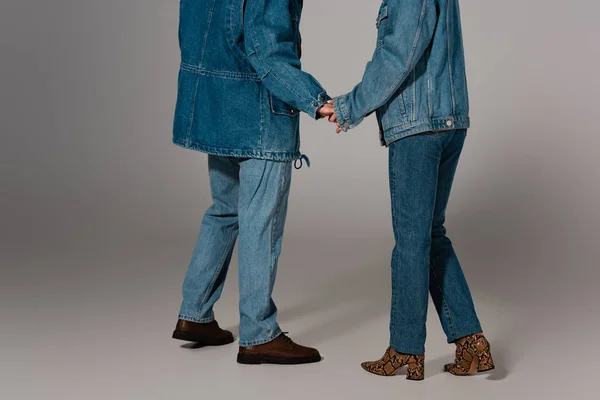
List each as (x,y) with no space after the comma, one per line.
(201,340)
(256,360)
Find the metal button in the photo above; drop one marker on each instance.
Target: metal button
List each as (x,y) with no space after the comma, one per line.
(315,104)
(449,123)
(292,111)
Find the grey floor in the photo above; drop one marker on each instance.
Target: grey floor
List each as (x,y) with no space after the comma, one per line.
(101,330)
(99,211)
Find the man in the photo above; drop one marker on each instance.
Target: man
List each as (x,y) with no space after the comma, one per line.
(416,84)
(241,89)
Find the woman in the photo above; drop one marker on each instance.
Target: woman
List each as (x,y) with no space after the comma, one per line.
(416,84)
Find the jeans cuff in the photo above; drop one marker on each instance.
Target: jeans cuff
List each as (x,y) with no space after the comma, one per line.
(195,319)
(258,342)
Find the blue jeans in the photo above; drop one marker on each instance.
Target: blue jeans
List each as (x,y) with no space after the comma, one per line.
(422,169)
(250,199)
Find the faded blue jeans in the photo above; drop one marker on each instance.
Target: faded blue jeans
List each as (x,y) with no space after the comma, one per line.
(250,199)
(422,170)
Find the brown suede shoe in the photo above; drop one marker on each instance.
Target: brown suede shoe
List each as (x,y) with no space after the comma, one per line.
(208,334)
(281,350)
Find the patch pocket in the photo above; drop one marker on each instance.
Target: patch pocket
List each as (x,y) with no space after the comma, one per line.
(382,24)
(280,107)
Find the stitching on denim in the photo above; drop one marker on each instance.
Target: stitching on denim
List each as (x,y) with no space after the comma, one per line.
(413,128)
(414,89)
(258,154)
(220,74)
(262,118)
(210,17)
(444,304)
(459,119)
(392,172)
(429,88)
(347,115)
(219,267)
(276,216)
(195,319)
(192,112)
(450,70)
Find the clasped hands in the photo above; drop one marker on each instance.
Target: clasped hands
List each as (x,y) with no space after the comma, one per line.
(328,111)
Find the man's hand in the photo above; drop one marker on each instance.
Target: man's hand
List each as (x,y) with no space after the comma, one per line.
(326,110)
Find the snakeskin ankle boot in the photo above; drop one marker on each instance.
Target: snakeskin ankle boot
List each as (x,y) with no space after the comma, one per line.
(392,362)
(472,355)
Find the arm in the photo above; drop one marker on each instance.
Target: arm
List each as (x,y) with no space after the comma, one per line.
(269,42)
(413,23)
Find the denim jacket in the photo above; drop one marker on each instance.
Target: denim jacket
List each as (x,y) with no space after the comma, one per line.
(416,80)
(241,86)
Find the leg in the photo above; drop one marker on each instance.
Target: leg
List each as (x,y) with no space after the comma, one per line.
(208,268)
(414,163)
(264,191)
(448,286)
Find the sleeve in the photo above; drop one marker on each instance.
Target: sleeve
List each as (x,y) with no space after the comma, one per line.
(413,24)
(269,41)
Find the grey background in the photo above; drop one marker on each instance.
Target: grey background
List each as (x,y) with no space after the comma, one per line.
(99,212)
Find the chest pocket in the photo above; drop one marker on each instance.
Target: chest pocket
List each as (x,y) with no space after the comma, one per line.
(382,24)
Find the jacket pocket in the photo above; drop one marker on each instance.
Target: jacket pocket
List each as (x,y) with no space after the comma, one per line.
(382,24)
(280,107)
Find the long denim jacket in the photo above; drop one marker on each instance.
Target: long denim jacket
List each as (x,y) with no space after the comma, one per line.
(241,86)
(416,81)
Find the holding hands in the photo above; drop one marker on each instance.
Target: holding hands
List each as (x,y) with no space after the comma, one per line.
(328,111)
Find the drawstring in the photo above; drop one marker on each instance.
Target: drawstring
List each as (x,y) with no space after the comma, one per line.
(301,160)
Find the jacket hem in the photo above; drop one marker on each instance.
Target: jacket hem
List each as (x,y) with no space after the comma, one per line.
(238,153)
(450,123)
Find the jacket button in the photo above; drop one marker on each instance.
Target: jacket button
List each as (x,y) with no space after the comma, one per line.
(292,111)
(315,104)
(449,123)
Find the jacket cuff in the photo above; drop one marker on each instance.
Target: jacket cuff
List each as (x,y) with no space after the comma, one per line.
(340,106)
(320,100)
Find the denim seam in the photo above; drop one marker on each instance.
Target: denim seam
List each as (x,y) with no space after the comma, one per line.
(192,112)
(210,16)
(444,304)
(262,119)
(262,341)
(220,74)
(274,225)
(393,196)
(414,92)
(219,269)
(342,100)
(460,119)
(450,70)
(256,154)
(196,319)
